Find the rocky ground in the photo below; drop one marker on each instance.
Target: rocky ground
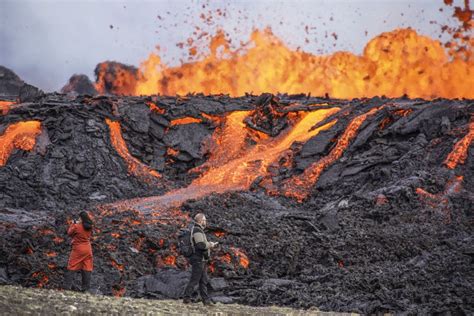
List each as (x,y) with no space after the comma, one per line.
(16,300)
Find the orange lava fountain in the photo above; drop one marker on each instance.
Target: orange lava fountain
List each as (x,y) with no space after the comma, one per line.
(21,135)
(392,64)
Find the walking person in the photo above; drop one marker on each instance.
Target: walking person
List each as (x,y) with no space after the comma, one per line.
(80,258)
(198,261)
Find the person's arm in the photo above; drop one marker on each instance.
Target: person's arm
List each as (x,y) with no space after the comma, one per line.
(72,230)
(200,241)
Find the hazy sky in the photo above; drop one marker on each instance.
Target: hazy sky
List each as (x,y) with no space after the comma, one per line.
(45,42)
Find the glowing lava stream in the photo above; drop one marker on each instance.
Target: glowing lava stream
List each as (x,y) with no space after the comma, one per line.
(21,135)
(230,167)
(459,153)
(299,186)
(5,107)
(135,167)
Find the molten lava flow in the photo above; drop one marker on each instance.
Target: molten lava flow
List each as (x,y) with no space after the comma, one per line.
(392,64)
(5,107)
(154,108)
(299,186)
(441,200)
(135,167)
(243,259)
(233,165)
(459,153)
(185,120)
(21,135)
(240,172)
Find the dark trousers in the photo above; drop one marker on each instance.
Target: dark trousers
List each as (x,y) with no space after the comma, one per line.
(198,276)
(69,280)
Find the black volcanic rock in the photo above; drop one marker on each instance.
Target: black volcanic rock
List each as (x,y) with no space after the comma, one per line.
(12,87)
(386,228)
(10,83)
(80,84)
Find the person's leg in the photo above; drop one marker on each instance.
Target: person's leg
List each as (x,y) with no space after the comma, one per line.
(86,280)
(196,271)
(68,279)
(203,282)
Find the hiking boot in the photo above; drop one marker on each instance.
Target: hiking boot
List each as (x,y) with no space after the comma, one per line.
(186,300)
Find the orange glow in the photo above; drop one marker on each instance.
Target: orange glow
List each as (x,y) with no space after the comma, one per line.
(51,254)
(154,108)
(440,200)
(43,278)
(392,64)
(21,135)
(115,235)
(58,240)
(226,258)
(118,291)
(459,153)
(243,259)
(5,107)
(299,186)
(172,152)
(135,167)
(117,265)
(219,234)
(52,266)
(185,120)
(169,260)
(212,267)
(139,243)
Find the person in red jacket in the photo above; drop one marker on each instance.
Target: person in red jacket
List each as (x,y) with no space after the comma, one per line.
(80,258)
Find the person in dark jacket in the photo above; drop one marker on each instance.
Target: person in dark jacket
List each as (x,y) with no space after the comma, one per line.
(80,258)
(198,261)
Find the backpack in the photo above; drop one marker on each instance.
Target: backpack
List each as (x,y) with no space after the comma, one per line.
(185,241)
